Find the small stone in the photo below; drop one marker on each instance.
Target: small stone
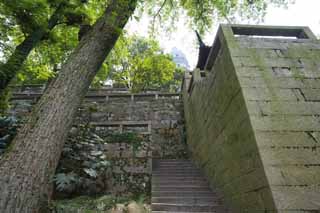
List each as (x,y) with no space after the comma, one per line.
(120,208)
(73,131)
(86,163)
(84,143)
(103,157)
(133,207)
(91,141)
(65,149)
(96,153)
(79,146)
(97,138)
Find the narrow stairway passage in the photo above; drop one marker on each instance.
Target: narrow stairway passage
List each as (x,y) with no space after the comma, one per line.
(178,186)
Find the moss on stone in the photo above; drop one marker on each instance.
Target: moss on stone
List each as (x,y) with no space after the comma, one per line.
(4,101)
(267,77)
(84,204)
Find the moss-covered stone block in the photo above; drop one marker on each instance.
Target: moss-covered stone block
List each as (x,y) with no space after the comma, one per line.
(252,122)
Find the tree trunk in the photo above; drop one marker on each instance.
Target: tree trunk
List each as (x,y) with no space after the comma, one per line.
(12,66)
(27,169)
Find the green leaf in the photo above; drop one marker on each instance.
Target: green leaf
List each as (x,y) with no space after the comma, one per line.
(91,172)
(65,181)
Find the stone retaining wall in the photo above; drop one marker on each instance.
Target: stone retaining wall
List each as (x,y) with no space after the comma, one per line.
(124,131)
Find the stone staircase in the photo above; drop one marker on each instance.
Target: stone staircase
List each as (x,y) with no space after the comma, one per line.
(178,186)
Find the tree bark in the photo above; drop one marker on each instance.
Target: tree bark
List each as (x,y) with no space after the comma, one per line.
(9,70)
(27,169)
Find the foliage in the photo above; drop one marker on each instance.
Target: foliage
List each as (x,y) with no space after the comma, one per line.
(84,154)
(105,203)
(84,204)
(8,129)
(127,137)
(4,101)
(20,18)
(47,58)
(134,139)
(140,64)
(81,163)
(66,182)
(174,84)
(201,14)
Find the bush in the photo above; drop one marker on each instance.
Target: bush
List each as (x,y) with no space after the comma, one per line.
(8,130)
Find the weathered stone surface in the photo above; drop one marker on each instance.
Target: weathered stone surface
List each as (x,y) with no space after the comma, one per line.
(101,133)
(119,208)
(286,123)
(311,94)
(133,207)
(265,94)
(284,108)
(261,147)
(220,136)
(286,139)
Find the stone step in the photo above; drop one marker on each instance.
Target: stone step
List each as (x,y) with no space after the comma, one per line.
(189,200)
(180,212)
(188,163)
(185,163)
(214,211)
(186,207)
(159,162)
(158,193)
(169,176)
(172,160)
(173,167)
(181,188)
(173,163)
(165,168)
(178,178)
(183,183)
(161,174)
(181,172)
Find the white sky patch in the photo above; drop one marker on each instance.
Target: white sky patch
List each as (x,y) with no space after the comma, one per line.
(302,13)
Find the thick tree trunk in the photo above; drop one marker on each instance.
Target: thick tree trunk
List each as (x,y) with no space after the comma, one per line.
(9,70)
(26,170)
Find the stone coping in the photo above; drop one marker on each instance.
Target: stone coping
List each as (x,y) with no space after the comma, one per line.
(107,96)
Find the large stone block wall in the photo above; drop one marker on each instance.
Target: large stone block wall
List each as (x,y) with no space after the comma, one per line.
(221,139)
(105,162)
(253,120)
(162,115)
(283,102)
(121,130)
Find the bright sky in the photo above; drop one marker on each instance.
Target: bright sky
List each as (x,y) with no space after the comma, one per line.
(301,13)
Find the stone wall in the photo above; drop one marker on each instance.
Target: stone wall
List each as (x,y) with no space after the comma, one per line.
(104,162)
(253,118)
(114,138)
(160,114)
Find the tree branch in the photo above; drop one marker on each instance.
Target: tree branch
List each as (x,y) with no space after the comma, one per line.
(158,14)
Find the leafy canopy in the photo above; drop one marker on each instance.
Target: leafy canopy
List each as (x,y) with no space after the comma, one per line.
(18,18)
(201,14)
(140,64)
